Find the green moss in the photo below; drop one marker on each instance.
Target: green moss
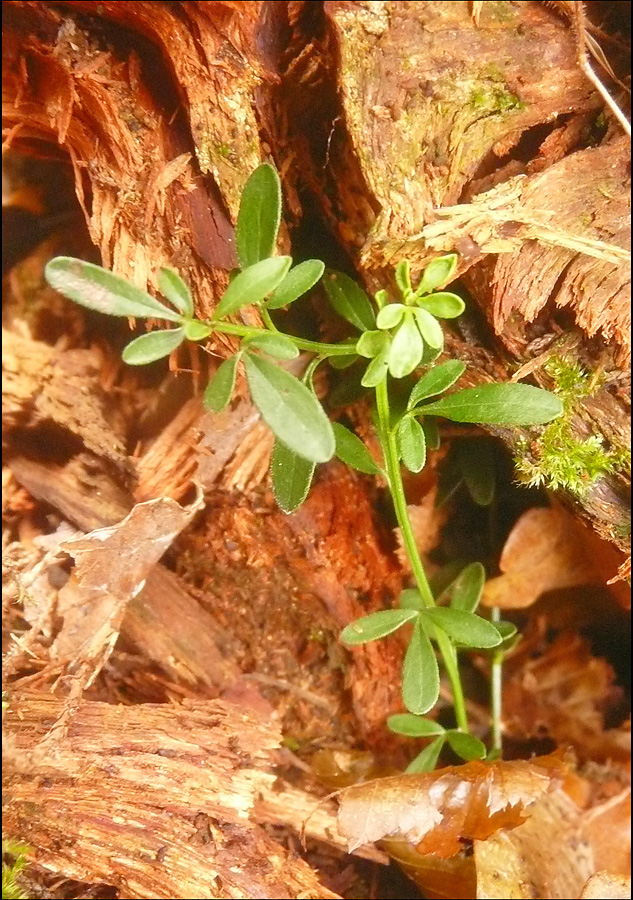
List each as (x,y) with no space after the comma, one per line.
(494,97)
(559,458)
(13,862)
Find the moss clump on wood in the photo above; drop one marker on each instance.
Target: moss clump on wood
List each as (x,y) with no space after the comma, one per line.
(560,458)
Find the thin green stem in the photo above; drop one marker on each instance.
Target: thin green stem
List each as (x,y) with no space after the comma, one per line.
(308,346)
(496,683)
(268,322)
(396,487)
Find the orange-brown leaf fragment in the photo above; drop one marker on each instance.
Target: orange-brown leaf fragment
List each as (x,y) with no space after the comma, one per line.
(439,810)
(543,552)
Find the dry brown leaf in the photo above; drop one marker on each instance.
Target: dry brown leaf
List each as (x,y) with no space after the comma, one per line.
(544,551)
(439,810)
(564,694)
(112,565)
(603,886)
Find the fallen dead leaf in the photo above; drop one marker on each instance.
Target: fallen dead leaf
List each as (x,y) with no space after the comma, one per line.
(564,694)
(112,565)
(544,551)
(603,886)
(438,811)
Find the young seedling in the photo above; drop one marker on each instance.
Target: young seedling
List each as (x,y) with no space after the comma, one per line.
(396,339)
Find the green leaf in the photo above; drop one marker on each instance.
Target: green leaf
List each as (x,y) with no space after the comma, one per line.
(196,330)
(411,444)
(466,746)
(381,298)
(377,625)
(152,346)
(410,598)
(351,450)
(297,282)
(98,289)
(371,343)
(342,362)
(427,759)
(430,328)
(174,288)
(259,216)
(274,344)
(377,369)
(290,410)
(498,404)
(252,285)
(436,381)
(507,630)
(465,592)
(350,300)
(390,316)
(403,277)
(406,348)
(476,460)
(444,305)
(420,673)
(463,627)
(220,388)
(414,726)
(437,273)
(291,476)
(431,434)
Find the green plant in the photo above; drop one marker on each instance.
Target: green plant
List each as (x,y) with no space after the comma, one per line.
(14,860)
(395,338)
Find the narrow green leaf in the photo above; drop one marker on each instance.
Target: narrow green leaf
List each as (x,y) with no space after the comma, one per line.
(427,759)
(350,300)
(411,443)
(465,592)
(220,388)
(377,369)
(414,726)
(438,272)
(406,348)
(498,404)
(466,746)
(410,598)
(444,305)
(420,673)
(96,288)
(297,282)
(252,285)
(390,316)
(291,476)
(381,298)
(351,450)
(475,458)
(342,362)
(259,216)
(152,346)
(371,343)
(463,627)
(507,630)
(376,626)
(171,285)
(403,277)
(431,434)
(430,328)
(196,330)
(290,410)
(274,344)
(436,381)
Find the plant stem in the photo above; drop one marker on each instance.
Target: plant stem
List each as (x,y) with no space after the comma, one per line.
(496,672)
(308,346)
(268,322)
(396,487)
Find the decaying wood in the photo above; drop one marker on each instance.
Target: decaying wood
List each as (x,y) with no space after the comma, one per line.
(155,800)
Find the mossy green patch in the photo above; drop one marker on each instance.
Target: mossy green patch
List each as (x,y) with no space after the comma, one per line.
(562,458)
(14,860)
